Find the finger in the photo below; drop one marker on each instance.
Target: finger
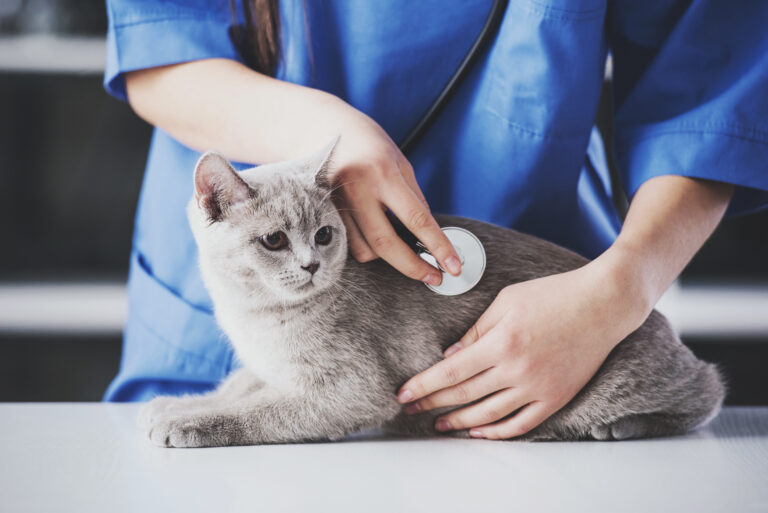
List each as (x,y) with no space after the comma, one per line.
(495,407)
(467,391)
(527,419)
(484,324)
(444,374)
(381,237)
(417,218)
(410,178)
(360,249)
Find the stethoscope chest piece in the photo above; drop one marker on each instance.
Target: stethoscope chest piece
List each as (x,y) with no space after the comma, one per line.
(472,256)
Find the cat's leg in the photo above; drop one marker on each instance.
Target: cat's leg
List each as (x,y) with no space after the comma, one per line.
(268,416)
(613,413)
(648,426)
(421,425)
(692,403)
(650,385)
(623,425)
(640,426)
(236,385)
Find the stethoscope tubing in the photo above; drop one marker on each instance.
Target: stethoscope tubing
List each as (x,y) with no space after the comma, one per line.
(473,248)
(489,30)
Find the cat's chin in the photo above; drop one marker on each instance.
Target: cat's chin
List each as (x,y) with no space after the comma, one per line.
(306,289)
(301,292)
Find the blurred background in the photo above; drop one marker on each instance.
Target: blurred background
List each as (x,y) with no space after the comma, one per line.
(72,163)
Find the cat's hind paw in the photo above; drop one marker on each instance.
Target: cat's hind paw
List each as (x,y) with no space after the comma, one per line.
(623,429)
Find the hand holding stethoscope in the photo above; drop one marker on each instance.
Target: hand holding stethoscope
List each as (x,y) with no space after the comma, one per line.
(466,260)
(370,182)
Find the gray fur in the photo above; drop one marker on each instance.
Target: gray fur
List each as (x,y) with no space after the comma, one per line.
(323,358)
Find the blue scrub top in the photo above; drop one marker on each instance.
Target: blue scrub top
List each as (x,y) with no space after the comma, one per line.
(516,146)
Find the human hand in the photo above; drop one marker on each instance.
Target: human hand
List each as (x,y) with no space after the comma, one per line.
(530,353)
(372,175)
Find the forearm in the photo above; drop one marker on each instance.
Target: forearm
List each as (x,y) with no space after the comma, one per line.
(668,221)
(221,104)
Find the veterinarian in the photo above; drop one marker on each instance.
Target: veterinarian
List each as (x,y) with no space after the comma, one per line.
(515,146)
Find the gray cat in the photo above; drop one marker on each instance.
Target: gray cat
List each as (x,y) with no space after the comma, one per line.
(325,341)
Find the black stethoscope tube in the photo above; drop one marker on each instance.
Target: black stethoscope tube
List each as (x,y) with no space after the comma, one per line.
(490,28)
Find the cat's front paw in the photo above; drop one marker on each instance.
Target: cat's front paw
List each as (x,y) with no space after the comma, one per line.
(175,433)
(189,431)
(157,408)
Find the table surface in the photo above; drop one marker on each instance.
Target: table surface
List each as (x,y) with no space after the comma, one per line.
(91,457)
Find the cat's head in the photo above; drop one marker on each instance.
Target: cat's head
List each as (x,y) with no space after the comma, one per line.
(272,230)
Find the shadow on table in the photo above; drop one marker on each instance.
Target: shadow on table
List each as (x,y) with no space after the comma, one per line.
(739,423)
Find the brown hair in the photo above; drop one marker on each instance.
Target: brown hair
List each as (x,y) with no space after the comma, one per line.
(259,39)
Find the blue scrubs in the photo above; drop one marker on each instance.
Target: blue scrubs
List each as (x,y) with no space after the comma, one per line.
(516,146)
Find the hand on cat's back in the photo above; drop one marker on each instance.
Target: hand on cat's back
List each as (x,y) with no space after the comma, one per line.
(530,353)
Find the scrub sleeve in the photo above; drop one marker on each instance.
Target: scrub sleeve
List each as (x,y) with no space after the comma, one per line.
(172,344)
(691,95)
(147,33)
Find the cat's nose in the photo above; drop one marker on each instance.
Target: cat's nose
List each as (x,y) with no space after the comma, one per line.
(312,267)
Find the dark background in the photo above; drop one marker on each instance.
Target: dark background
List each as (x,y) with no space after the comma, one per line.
(72,162)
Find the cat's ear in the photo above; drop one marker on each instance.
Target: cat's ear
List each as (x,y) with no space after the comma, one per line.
(218,186)
(322,163)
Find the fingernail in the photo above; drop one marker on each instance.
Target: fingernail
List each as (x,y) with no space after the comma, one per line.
(452,349)
(433,279)
(453,265)
(405,396)
(412,408)
(443,425)
(475,433)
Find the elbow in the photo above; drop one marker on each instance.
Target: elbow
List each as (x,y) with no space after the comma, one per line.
(142,90)
(138,91)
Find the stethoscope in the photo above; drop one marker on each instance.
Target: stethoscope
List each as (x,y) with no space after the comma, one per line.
(468,246)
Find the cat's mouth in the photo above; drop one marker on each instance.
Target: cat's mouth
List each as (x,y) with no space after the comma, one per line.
(312,285)
(306,286)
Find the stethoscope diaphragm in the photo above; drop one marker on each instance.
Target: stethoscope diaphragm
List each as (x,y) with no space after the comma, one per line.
(468,247)
(472,256)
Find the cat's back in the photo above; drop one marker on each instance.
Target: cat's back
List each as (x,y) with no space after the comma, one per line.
(385,301)
(512,256)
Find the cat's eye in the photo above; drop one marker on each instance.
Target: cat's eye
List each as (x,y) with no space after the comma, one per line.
(274,241)
(324,235)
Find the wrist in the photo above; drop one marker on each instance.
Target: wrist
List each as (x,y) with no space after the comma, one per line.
(624,279)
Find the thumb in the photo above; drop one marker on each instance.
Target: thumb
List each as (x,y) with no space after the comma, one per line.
(483,325)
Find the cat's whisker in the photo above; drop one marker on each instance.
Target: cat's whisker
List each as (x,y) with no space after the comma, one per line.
(334,189)
(339,186)
(332,214)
